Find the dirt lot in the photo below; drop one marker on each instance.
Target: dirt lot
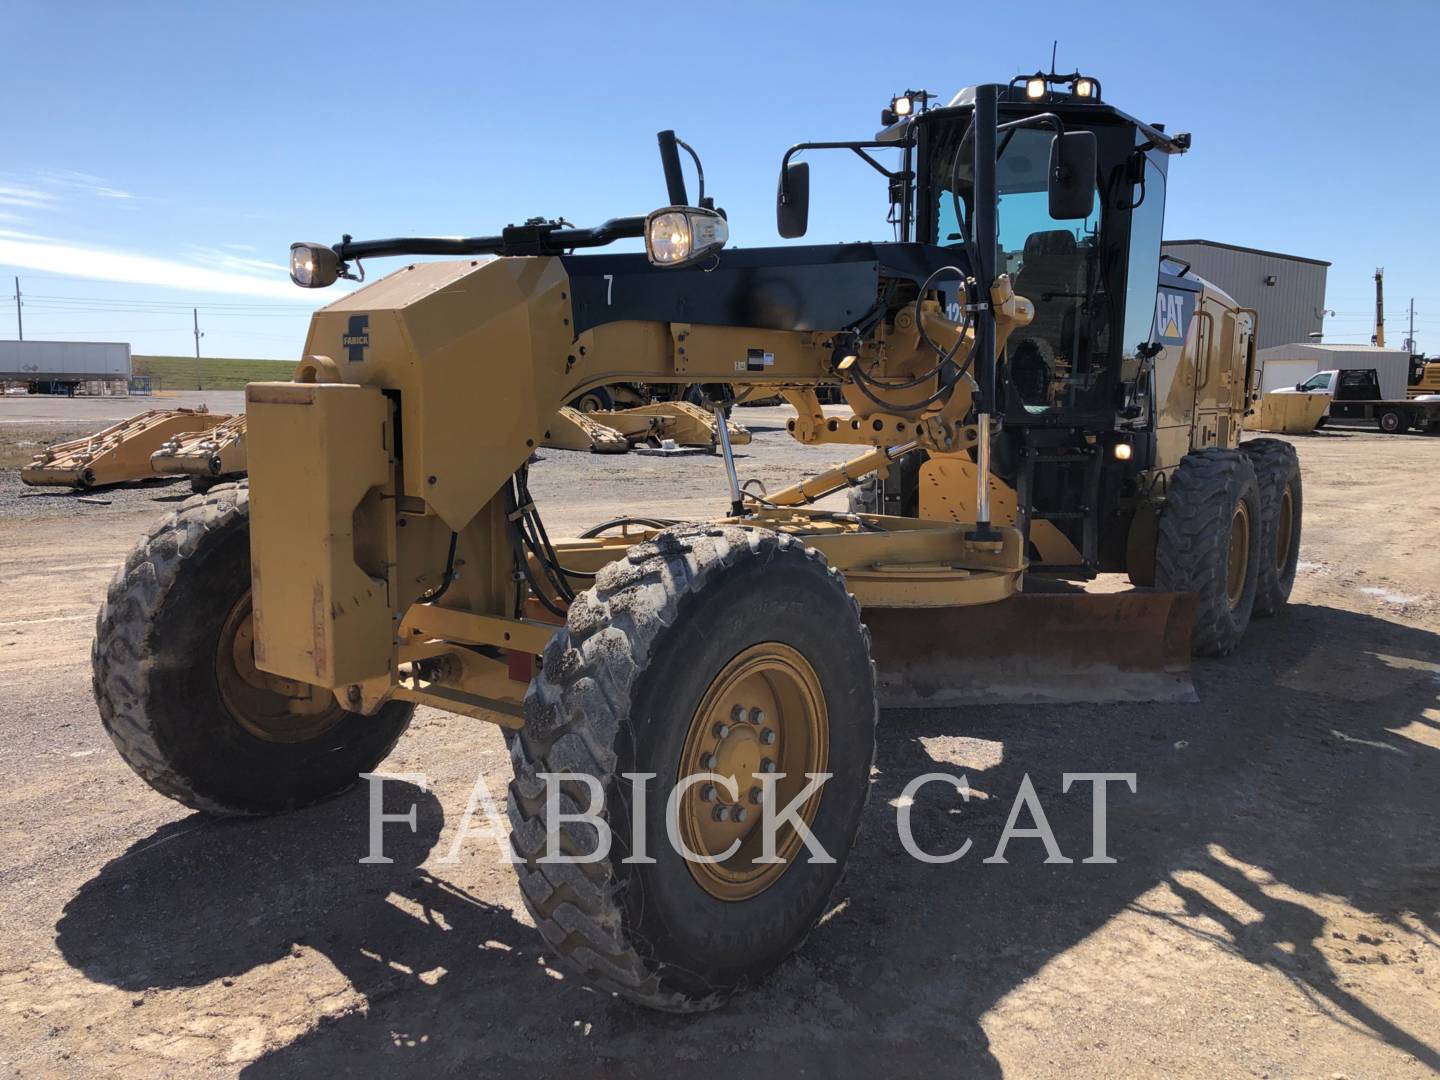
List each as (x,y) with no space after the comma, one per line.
(1275,910)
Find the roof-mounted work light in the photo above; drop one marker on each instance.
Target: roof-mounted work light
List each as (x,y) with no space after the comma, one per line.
(903,106)
(1042,86)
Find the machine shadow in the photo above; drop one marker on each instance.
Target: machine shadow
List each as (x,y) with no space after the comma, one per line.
(1317,790)
(1312,785)
(205,899)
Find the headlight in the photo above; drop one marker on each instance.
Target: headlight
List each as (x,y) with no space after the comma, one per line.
(1085,88)
(680,235)
(1035,87)
(313,266)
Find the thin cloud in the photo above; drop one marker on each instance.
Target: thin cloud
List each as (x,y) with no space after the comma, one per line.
(28,197)
(240,264)
(86,182)
(61,257)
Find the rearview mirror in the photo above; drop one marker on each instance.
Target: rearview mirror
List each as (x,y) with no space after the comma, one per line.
(792,201)
(1073,159)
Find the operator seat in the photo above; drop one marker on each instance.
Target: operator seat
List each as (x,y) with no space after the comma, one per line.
(1052,277)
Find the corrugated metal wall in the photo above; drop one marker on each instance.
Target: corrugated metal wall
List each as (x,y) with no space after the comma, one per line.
(1290,310)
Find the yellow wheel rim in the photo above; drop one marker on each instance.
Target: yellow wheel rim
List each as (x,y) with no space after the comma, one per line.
(265,705)
(1239,554)
(1284,524)
(764,712)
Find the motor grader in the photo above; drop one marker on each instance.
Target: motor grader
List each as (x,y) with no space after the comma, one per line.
(266,644)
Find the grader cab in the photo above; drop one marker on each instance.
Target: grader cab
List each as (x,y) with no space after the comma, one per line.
(268,643)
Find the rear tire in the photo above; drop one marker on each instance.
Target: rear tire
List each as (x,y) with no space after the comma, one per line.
(223,739)
(1277,471)
(600,399)
(624,688)
(1209,545)
(1393,422)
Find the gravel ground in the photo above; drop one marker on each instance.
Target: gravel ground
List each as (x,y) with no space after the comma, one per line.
(1274,911)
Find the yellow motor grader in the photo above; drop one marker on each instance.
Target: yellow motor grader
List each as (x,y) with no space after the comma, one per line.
(1070,408)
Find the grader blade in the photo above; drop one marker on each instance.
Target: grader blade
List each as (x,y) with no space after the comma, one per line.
(1036,648)
(220,451)
(119,454)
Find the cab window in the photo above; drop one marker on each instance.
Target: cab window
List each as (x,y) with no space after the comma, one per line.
(1058,362)
(1142,275)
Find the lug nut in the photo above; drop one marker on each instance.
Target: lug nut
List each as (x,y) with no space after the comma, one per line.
(757,716)
(708,762)
(767,736)
(722,729)
(739,814)
(756,796)
(719,813)
(708,793)
(766,765)
(737,714)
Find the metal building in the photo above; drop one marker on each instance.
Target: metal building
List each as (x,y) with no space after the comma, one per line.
(1287,290)
(1284,366)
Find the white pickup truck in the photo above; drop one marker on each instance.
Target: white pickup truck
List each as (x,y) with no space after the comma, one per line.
(1356,396)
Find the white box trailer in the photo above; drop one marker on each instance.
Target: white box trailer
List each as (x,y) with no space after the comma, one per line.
(64,363)
(1283,367)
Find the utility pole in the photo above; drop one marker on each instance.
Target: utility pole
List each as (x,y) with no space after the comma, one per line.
(1410,341)
(19,320)
(1378,339)
(199,384)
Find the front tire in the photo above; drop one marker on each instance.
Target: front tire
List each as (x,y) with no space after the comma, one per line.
(648,660)
(178,690)
(898,495)
(1209,545)
(1277,471)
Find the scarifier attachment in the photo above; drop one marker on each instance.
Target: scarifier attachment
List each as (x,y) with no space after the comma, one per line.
(571,429)
(687,424)
(614,431)
(118,454)
(1036,648)
(217,452)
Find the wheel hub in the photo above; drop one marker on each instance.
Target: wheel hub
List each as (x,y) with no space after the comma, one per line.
(265,705)
(1284,525)
(763,713)
(1239,561)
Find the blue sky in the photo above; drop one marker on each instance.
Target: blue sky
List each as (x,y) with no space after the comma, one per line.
(156,157)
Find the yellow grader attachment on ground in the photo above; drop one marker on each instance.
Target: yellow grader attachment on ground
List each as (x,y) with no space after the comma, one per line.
(120,453)
(614,431)
(1291,414)
(691,707)
(209,454)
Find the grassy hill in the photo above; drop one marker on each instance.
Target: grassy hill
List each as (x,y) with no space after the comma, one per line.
(178,372)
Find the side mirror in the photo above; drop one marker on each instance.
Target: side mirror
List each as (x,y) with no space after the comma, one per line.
(1073,158)
(1299,386)
(792,201)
